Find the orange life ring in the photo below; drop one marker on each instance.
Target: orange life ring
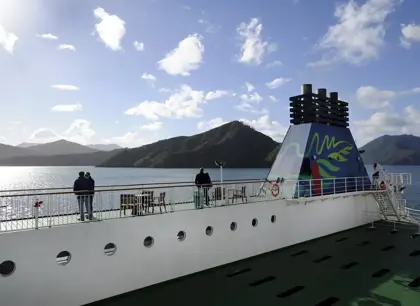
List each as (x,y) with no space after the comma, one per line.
(275,190)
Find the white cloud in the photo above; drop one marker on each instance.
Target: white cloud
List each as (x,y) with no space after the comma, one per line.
(253,97)
(44,135)
(3,139)
(139,46)
(410,34)
(154,126)
(7,40)
(272,98)
(249,86)
(277,82)
(138,137)
(133,139)
(390,123)
(209,27)
(274,64)
(67,107)
(47,36)
(111,28)
(184,103)
(372,97)
(15,125)
(210,124)
(212,95)
(80,131)
(253,47)
(148,77)
(268,127)
(249,103)
(65,87)
(359,33)
(185,58)
(66,47)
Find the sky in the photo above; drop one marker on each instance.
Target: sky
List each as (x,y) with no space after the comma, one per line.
(132,72)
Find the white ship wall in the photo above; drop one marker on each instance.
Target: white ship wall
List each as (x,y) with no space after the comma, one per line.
(91,275)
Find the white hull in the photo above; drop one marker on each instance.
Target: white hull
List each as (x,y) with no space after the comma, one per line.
(91,275)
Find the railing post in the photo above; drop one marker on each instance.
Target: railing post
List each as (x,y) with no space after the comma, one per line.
(37,204)
(334,186)
(310,187)
(345,184)
(298,189)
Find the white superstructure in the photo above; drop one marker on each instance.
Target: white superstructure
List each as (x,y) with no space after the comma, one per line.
(118,253)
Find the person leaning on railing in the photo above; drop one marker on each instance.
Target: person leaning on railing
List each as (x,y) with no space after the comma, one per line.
(91,194)
(203,180)
(81,188)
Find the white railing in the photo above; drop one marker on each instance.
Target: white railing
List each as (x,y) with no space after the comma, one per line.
(21,210)
(414,215)
(395,184)
(399,179)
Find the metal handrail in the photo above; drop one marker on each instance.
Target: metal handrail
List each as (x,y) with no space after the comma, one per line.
(116,185)
(60,208)
(165,185)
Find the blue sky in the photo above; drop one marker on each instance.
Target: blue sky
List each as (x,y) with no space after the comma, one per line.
(135,71)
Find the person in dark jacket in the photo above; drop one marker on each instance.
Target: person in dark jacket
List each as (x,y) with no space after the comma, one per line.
(200,178)
(202,181)
(81,187)
(89,202)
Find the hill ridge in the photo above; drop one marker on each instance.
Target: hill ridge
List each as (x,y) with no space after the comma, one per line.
(229,142)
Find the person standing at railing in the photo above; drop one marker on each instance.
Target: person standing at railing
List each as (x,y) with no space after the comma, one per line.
(89,201)
(206,187)
(81,187)
(202,181)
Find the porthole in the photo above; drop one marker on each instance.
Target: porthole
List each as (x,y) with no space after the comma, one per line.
(110,249)
(181,236)
(273,218)
(148,241)
(7,268)
(63,258)
(233,226)
(209,230)
(254,222)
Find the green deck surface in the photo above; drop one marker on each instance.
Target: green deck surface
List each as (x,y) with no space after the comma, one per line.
(346,277)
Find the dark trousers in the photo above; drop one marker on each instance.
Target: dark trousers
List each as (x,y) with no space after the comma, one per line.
(206,195)
(89,206)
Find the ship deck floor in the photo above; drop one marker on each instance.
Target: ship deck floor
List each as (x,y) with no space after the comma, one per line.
(356,267)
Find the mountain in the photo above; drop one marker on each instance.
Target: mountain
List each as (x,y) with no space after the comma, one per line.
(59,147)
(7,151)
(235,143)
(104,147)
(84,159)
(393,150)
(27,144)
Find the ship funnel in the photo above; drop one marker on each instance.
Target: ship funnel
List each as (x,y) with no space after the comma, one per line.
(307,89)
(322,93)
(334,96)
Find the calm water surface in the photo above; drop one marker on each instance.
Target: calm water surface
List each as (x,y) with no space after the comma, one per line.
(58,177)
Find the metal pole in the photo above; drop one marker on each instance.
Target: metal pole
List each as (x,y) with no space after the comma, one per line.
(221,182)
